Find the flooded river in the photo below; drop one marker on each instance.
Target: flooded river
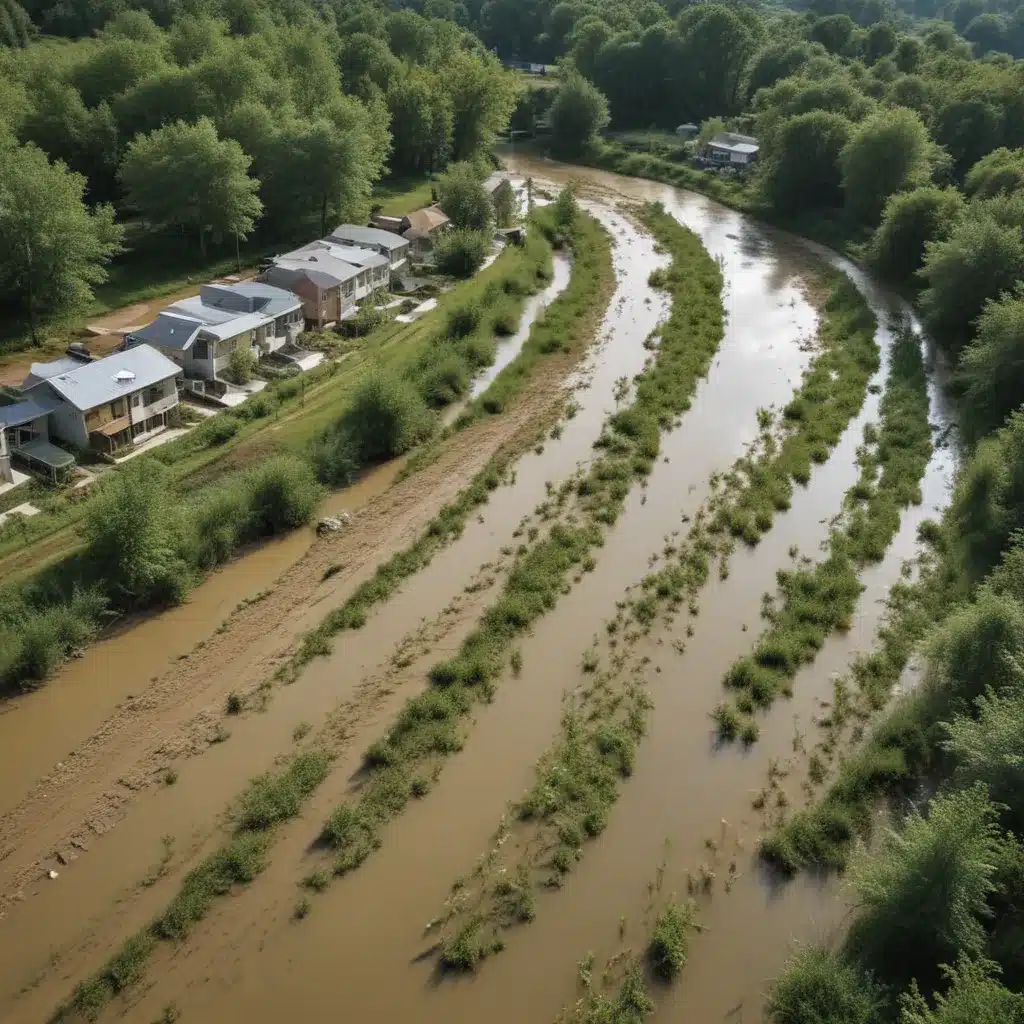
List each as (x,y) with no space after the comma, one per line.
(360,953)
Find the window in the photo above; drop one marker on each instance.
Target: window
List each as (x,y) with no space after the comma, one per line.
(135,400)
(199,350)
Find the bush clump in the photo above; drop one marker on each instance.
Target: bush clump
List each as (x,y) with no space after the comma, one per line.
(460,253)
(666,950)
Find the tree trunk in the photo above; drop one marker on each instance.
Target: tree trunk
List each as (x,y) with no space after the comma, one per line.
(29,289)
(323,215)
(202,242)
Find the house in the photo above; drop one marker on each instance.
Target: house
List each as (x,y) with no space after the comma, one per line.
(25,432)
(328,278)
(201,332)
(388,244)
(106,404)
(688,130)
(325,284)
(731,150)
(422,228)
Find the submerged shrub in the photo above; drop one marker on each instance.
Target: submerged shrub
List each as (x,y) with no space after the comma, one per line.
(666,950)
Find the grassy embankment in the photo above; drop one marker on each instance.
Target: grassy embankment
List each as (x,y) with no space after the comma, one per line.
(817,601)
(200,518)
(277,796)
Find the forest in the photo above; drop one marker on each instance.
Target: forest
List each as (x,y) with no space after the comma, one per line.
(894,130)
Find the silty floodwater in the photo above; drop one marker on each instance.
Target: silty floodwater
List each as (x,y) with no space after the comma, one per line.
(358,949)
(371,922)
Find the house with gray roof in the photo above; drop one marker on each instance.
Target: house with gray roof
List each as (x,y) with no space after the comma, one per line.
(388,244)
(122,399)
(328,279)
(731,150)
(201,332)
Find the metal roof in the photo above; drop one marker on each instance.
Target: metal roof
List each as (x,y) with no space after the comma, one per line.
(31,408)
(46,453)
(735,147)
(44,371)
(367,236)
(249,297)
(169,331)
(287,272)
(108,379)
(323,257)
(362,259)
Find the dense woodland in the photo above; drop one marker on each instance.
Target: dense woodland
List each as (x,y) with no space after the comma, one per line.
(897,129)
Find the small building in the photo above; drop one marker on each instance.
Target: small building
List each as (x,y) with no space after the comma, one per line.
(24,425)
(731,150)
(387,243)
(688,130)
(325,284)
(123,399)
(201,332)
(422,228)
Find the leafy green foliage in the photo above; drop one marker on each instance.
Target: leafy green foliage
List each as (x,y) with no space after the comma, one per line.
(923,894)
(819,987)
(185,176)
(910,220)
(461,194)
(666,949)
(577,115)
(460,253)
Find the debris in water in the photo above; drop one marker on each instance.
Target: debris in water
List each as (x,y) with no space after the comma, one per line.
(51,874)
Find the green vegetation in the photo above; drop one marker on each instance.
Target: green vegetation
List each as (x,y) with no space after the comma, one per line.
(830,394)
(143,549)
(461,252)
(666,949)
(203,128)
(818,601)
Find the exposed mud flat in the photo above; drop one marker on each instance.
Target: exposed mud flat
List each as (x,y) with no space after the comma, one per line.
(362,953)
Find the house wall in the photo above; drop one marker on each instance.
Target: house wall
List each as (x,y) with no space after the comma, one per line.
(6,476)
(67,423)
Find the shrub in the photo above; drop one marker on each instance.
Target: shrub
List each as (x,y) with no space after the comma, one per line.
(463,320)
(217,430)
(282,494)
(218,522)
(387,417)
(666,950)
(335,458)
(460,253)
(819,987)
(241,363)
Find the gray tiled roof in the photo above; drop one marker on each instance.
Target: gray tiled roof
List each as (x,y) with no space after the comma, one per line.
(122,373)
(367,236)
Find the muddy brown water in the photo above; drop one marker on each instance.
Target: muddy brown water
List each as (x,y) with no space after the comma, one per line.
(357,954)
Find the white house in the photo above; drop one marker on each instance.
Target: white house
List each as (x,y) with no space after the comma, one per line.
(25,432)
(731,150)
(123,399)
(201,332)
(388,244)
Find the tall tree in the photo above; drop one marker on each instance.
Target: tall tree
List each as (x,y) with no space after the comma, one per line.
(888,152)
(461,195)
(981,259)
(910,221)
(801,168)
(1002,170)
(54,248)
(184,175)
(422,121)
(482,96)
(577,115)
